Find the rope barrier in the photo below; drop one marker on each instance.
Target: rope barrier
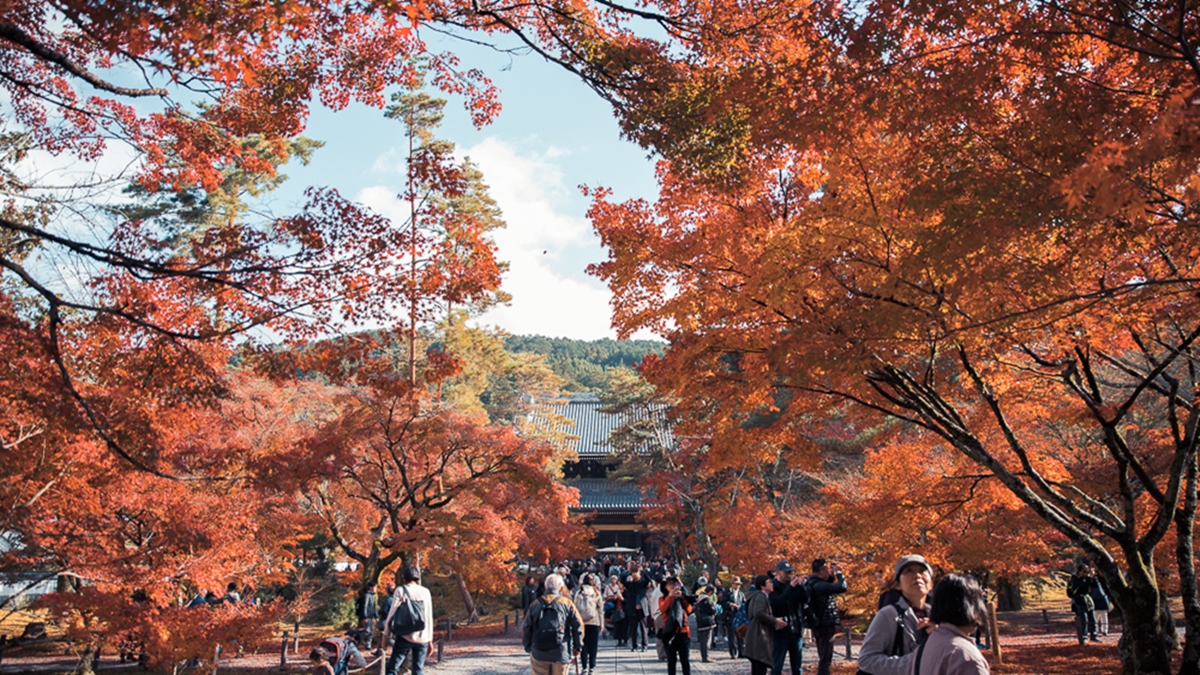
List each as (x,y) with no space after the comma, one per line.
(368,666)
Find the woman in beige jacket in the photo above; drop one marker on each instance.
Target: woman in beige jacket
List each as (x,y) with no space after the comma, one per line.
(590,604)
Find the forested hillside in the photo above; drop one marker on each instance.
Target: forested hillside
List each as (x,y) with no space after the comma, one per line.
(584,364)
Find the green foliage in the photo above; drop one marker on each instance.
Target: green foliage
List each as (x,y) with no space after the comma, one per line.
(691,572)
(583,364)
(338,610)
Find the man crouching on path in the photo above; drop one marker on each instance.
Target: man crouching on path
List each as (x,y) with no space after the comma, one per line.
(553,630)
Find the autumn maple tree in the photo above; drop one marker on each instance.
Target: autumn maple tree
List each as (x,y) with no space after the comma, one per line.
(132,459)
(974,219)
(415,471)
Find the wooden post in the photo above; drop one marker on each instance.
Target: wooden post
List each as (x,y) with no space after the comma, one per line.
(1046,619)
(440,644)
(994,636)
(296,639)
(846,632)
(283,651)
(216,658)
(506,623)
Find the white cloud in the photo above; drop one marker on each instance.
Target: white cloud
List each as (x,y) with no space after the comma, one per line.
(547,244)
(543,243)
(392,161)
(385,202)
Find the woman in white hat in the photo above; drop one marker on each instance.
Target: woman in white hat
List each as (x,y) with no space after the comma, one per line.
(899,627)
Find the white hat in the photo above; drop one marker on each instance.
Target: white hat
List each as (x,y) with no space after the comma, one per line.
(911,559)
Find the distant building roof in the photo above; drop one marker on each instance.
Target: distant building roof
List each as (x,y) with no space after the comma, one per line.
(597,494)
(591,428)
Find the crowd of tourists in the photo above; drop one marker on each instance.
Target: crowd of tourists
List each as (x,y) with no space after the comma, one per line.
(918,630)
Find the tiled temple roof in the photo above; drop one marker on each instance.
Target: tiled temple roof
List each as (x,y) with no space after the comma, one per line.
(591,429)
(597,494)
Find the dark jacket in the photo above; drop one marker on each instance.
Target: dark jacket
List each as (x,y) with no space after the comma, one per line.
(568,617)
(635,594)
(1100,596)
(385,607)
(761,629)
(1079,589)
(368,605)
(706,611)
(529,593)
(787,603)
(821,599)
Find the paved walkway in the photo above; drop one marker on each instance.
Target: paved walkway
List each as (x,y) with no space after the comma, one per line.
(495,655)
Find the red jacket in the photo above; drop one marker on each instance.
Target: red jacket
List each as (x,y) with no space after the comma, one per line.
(664,606)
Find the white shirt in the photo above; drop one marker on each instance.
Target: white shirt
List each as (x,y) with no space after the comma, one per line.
(652,598)
(419,594)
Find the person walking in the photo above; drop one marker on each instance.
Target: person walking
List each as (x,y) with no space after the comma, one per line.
(826,582)
(385,608)
(901,626)
(636,612)
(590,605)
(1079,589)
(414,644)
(614,593)
(656,619)
(787,601)
(735,598)
(676,633)
(760,631)
(529,594)
(958,608)
(552,631)
(1102,605)
(367,608)
(706,616)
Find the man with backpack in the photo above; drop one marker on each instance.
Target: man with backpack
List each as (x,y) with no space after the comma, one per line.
(552,631)
(410,622)
(336,656)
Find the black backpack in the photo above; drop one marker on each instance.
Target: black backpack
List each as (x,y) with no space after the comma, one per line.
(548,627)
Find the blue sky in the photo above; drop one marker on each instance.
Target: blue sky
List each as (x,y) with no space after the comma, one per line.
(552,135)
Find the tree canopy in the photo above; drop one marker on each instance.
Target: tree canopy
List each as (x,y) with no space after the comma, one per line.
(964,231)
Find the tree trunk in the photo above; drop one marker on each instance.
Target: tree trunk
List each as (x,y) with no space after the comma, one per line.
(1167,621)
(1008,595)
(472,611)
(1145,647)
(1186,561)
(87,661)
(707,551)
